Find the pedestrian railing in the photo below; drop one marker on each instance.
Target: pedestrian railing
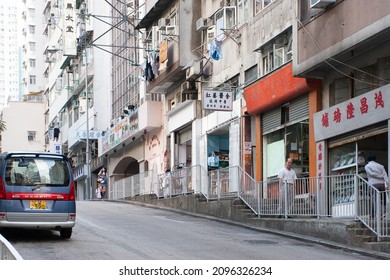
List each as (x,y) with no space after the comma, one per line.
(7,251)
(336,196)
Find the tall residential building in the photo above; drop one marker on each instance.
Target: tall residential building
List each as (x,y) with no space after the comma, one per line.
(77,84)
(32,47)
(9,56)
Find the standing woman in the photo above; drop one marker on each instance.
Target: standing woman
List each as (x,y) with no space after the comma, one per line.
(103,181)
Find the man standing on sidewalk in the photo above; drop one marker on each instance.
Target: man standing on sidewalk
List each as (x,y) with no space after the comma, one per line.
(377,177)
(286,177)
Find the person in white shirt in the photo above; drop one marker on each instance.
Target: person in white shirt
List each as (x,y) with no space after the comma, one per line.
(377,177)
(287,178)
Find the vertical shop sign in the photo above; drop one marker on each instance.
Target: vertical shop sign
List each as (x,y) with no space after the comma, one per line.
(248,153)
(320,150)
(218,100)
(69,29)
(363,110)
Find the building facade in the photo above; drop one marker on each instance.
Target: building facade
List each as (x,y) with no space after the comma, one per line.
(350,54)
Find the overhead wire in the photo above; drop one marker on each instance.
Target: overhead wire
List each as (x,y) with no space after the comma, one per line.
(321,49)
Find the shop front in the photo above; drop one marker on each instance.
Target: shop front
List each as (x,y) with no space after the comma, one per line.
(345,135)
(283,125)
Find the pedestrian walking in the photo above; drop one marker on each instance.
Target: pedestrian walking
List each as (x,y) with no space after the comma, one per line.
(102,180)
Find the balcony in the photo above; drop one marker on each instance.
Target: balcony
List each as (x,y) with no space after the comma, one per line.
(132,126)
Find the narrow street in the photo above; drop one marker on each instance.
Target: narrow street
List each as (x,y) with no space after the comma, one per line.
(121,231)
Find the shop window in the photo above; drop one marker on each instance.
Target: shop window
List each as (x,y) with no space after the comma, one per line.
(291,141)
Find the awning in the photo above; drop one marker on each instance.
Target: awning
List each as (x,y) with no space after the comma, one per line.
(154,13)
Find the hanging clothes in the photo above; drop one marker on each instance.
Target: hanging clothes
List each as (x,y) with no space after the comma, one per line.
(216,49)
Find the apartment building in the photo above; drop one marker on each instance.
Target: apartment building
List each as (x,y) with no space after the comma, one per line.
(9,52)
(77,84)
(345,44)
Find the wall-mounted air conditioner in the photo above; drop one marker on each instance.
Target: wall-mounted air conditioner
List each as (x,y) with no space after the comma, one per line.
(320,4)
(74,62)
(201,24)
(162,22)
(193,71)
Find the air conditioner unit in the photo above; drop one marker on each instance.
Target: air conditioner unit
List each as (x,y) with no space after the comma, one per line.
(320,4)
(76,103)
(74,62)
(193,72)
(69,69)
(162,22)
(201,24)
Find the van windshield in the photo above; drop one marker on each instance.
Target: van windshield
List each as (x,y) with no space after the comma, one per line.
(26,171)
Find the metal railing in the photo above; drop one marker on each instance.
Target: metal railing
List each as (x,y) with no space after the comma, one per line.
(338,196)
(7,251)
(139,184)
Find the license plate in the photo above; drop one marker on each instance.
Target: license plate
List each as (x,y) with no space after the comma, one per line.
(38,204)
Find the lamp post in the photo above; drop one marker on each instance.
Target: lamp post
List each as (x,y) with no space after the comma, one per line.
(88,183)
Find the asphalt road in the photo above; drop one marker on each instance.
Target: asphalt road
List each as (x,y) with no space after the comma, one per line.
(123,231)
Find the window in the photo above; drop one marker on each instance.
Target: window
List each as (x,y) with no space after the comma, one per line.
(261,4)
(243,10)
(32,46)
(360,81)
(31,135)
(32,63)
(33,80)
(340,91)
(31,29)
(365,80)
(277,53)
(251,74)
(225,19)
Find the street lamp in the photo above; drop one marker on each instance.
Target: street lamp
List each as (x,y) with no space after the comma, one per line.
(88,183)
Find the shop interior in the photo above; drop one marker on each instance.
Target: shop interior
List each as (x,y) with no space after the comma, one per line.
(218,145)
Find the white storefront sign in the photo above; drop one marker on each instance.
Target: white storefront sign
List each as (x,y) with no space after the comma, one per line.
(361,111)
(218,100)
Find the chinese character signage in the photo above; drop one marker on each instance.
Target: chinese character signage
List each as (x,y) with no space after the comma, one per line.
(69,29)
(82,134)
(218,100)
(358,112)
(56,148)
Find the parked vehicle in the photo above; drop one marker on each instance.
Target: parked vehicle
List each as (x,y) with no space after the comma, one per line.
(37,191)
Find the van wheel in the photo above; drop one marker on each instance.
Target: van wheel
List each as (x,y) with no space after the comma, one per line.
(66,232)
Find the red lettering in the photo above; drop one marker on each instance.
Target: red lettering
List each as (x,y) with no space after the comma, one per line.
(325,120)
(337,115)
(379,100)
(350,111)
(364,106)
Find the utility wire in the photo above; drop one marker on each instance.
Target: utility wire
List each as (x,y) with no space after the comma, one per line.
(320,49)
